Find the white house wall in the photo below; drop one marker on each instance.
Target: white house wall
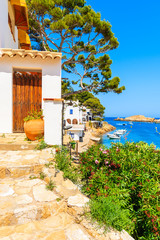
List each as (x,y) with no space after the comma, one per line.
(51,83)
(75,115)
(53,122)
(5,102)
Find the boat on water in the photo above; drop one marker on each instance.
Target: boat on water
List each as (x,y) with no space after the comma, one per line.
(120,131)
(131,123)
(113,136)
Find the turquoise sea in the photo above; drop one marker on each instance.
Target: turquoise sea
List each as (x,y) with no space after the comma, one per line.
(136,132)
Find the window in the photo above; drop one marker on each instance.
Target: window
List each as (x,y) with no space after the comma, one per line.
(71,111)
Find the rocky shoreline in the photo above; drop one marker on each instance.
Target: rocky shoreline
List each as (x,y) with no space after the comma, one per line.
(98,132)
(138,118)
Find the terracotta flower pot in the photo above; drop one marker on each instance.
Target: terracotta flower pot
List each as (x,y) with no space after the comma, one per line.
(34,128)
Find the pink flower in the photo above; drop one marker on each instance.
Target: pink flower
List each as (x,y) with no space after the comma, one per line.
(101,149)
(117,149)
(106,162)
(104,151)
(96,162)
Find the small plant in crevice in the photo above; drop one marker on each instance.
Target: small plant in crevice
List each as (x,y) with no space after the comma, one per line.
(27,139)
(3,135)
(51,185)
(42,175)
(58,199)
(32,177)
(47,165)
(41,145)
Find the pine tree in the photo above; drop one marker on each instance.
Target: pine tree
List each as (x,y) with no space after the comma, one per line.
(76,30)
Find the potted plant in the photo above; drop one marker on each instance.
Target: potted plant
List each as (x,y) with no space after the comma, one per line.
(34,125)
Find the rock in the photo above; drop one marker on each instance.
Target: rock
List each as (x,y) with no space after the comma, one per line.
(67,189)
(20,236)
(5,238)
(136,118)
(47,172)
(41,194)
(29,157)
(60,235)
(59,178)
(114,236)
(58,222)
(26,214)
(74,232)
(29,183)
(24,199)
(69,185)
(125,236)
(5,190)
(78,201)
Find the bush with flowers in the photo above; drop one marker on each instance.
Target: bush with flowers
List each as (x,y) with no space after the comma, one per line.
(123,184)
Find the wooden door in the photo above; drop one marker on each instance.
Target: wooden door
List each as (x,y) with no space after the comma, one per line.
(27,96)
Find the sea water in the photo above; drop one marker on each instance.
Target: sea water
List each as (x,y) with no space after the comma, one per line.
(136,131)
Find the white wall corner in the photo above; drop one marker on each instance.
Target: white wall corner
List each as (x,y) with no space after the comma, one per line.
(53,122)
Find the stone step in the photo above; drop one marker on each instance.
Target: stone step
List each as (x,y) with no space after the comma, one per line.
(20,163)
(17,147)
(61,226)
(23,200)
(15,142)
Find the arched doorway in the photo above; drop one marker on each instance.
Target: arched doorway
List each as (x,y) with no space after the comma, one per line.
(74,121)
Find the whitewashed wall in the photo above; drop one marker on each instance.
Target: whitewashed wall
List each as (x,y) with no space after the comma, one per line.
(53,122)
(51,88)
(6,39)
(75,115)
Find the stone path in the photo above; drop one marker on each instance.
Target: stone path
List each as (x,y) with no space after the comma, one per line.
(29,211)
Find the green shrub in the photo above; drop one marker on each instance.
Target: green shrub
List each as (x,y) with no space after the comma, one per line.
(128,173)
(111,213)
(34,115)
(41,145)
(63,163)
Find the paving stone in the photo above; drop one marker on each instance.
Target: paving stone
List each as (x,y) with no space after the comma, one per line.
(22,236)
(30,183)
(60,235)
(23,199)
(78,200)
(74,232)
(41,194)
(26,214)
(125,236)
(56,222)
(5,190)
(69,185)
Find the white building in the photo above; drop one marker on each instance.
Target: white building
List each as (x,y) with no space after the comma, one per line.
(28,79)
(72,113)
(76,114)
(77,132)
(86,114)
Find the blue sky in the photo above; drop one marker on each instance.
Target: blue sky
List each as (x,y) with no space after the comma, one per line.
(136,24)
